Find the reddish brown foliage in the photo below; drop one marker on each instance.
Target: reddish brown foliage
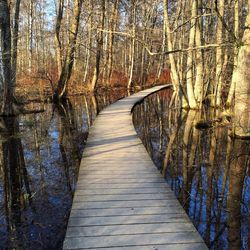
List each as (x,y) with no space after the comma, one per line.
(163,79)
(41,85)
(118,79)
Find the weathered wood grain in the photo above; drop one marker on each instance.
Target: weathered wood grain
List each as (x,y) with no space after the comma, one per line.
(121,200)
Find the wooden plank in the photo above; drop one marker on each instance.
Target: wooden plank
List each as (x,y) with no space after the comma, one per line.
(125,211)
(130,229)
(108,191)
(105,175)
(123,180)
(122,201)
(123,185)
(186,246)
(115,171)
(125,204)
(123,197)
(131,240)
(125,220)
(115,167)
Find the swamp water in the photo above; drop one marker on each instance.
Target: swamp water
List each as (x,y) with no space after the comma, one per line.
(207,170)
(39,160)
(40,156)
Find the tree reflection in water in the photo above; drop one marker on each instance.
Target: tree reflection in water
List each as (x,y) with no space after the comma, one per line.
(208,171)
(39,160)
(16,185)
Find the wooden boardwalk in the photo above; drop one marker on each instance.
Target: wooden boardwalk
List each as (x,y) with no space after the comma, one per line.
(121,200)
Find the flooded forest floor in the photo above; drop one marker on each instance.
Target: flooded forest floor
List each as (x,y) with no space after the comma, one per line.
(207,170)
(40,156)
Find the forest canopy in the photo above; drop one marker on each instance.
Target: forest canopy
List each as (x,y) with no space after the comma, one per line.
(71,46)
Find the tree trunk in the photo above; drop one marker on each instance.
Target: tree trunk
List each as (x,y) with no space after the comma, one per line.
(219,55)
(5,43)
(15,41)
(132,47)
(111,40)
(30,35)
(236,32)
(66,72)
(162,56)
(99,42)
(88,48)
(198,86)
(242,87)
(105,6)
(174,73)
(57,36)
(190,78)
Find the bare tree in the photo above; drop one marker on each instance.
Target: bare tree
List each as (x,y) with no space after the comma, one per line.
(190,60)
(242,87)
(99,48)
(57,35)
(219,53)
(61,90)
(5,36)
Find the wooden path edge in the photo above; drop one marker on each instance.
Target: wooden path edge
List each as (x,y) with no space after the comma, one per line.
(121,199)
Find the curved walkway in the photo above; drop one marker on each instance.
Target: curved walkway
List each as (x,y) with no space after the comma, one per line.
(121,200)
